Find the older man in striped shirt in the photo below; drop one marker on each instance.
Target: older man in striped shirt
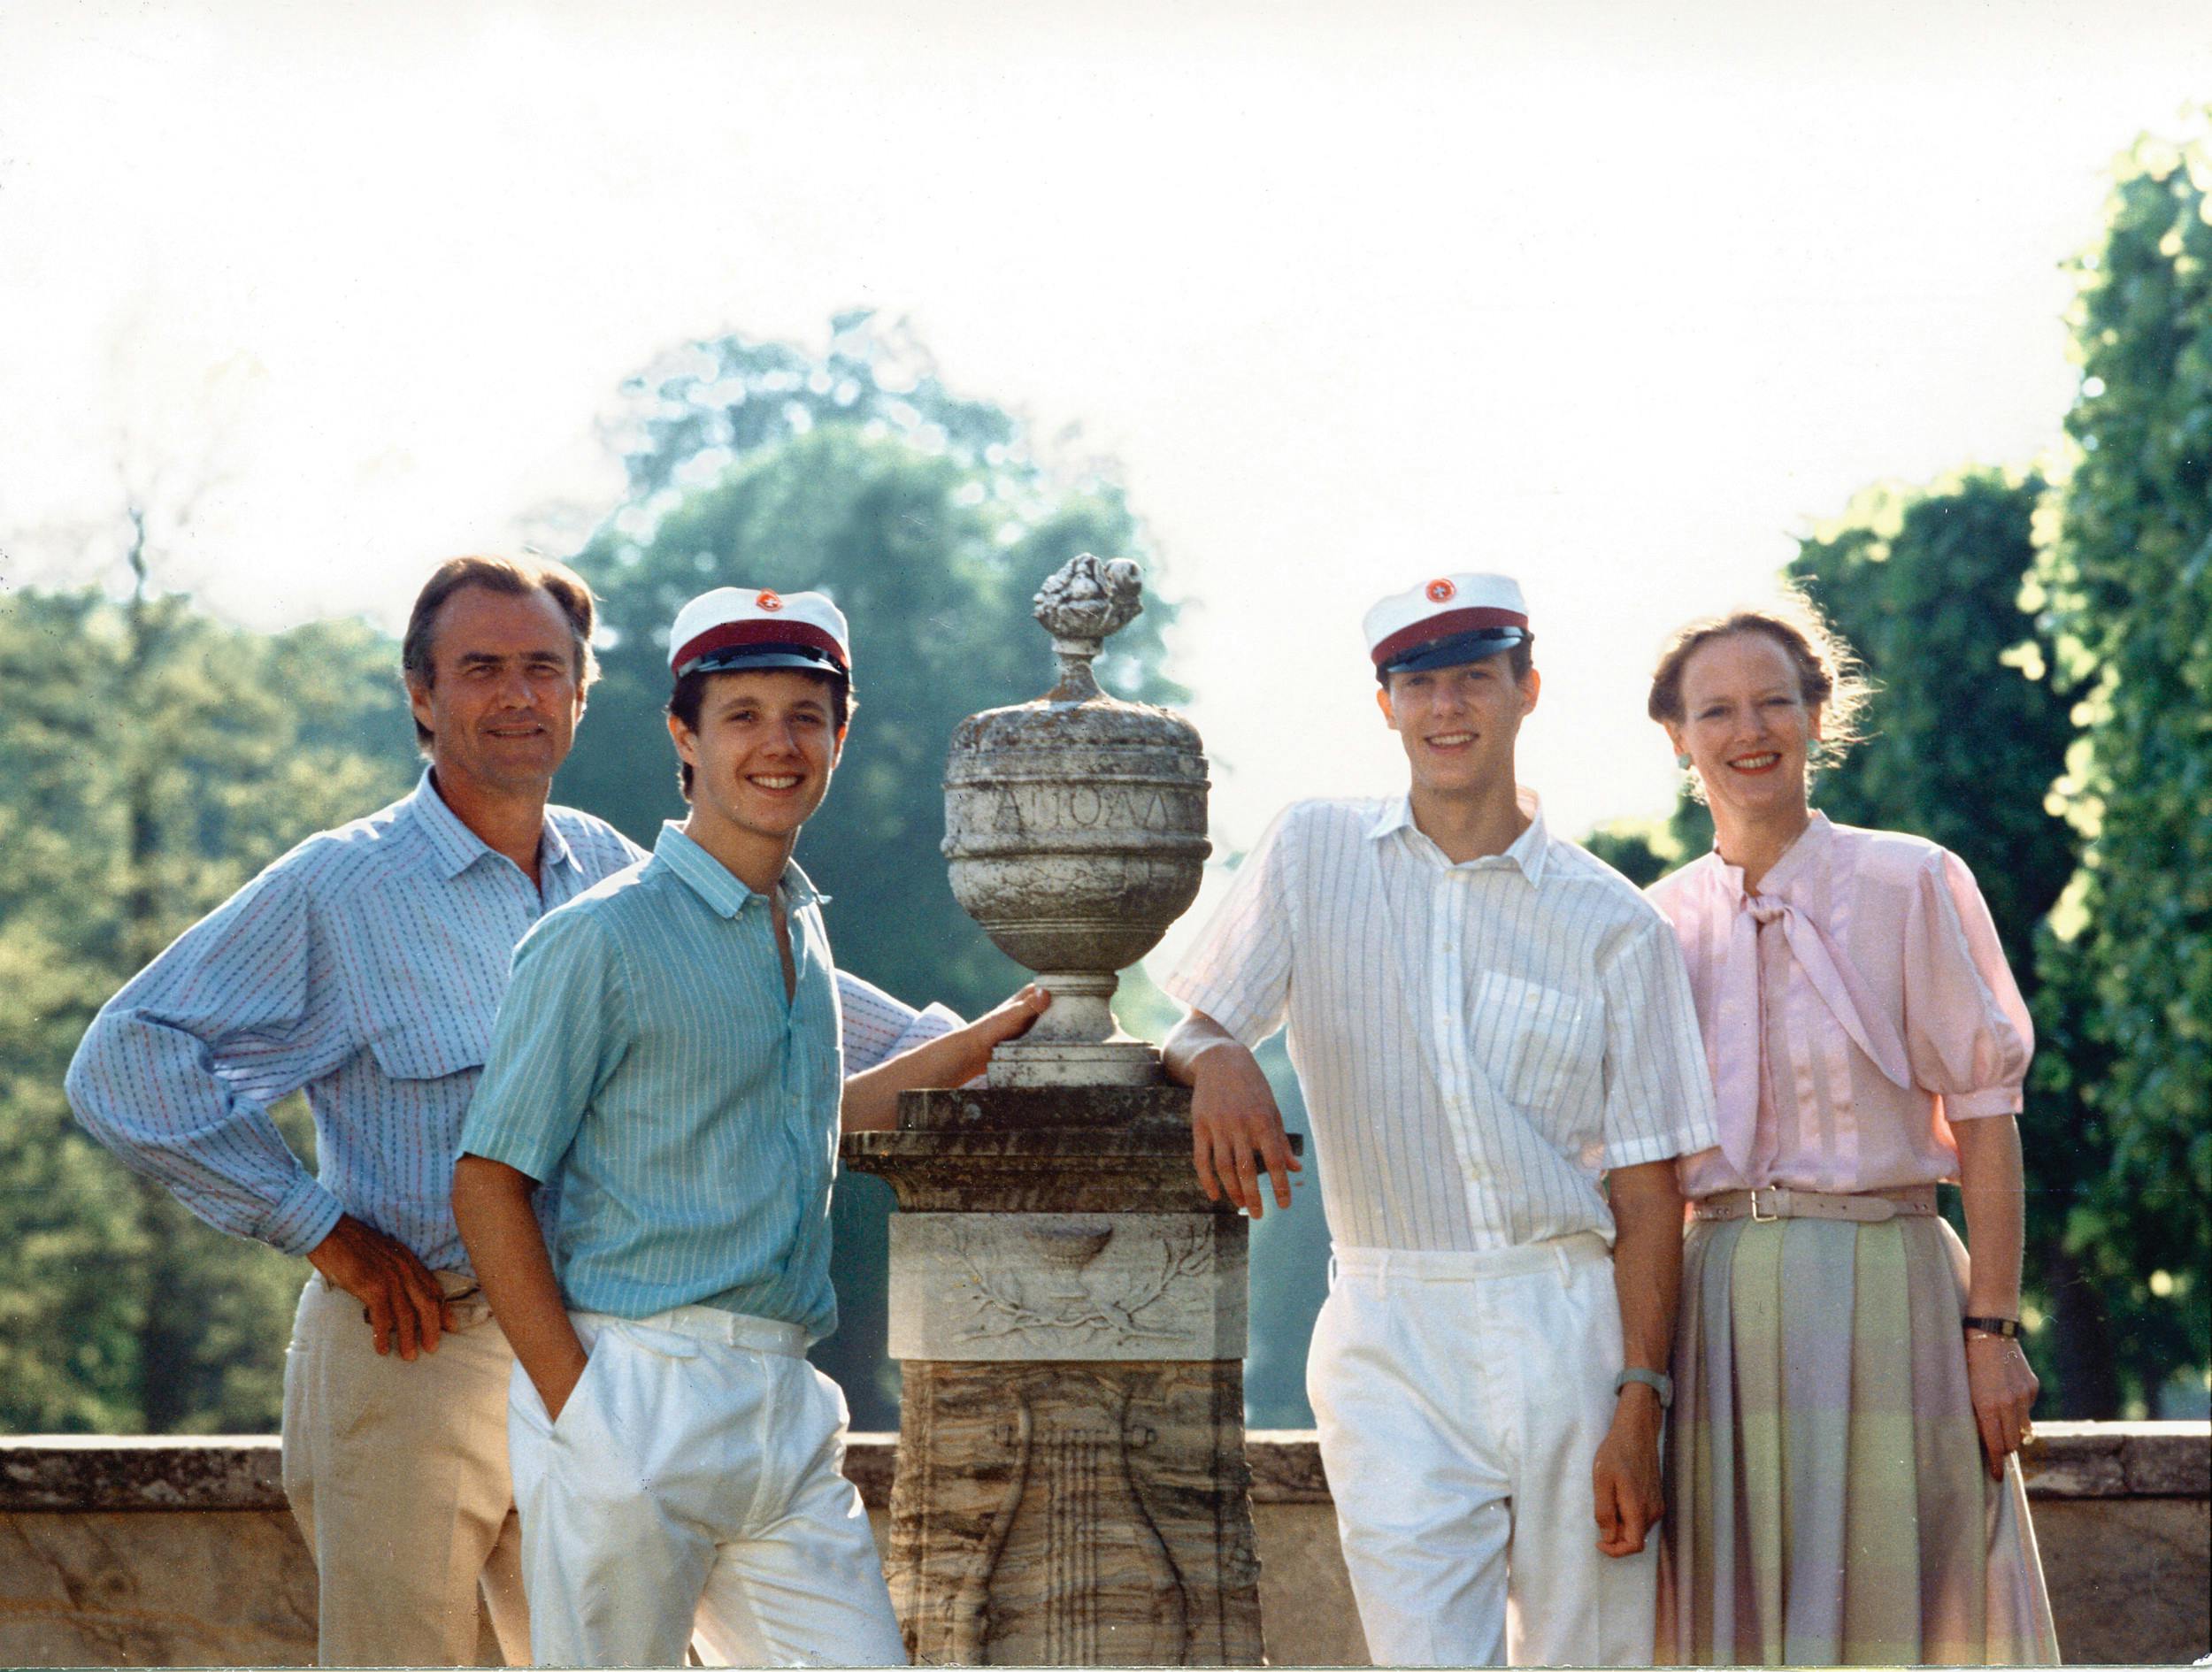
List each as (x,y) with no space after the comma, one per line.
(366,966)
(1498,1050)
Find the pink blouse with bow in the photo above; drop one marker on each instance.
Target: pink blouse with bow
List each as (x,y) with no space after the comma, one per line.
(1853,1009)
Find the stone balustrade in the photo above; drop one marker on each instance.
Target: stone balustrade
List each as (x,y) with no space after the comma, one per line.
(180,1552)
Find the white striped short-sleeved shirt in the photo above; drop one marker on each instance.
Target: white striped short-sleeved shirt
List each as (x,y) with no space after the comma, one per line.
(1476,1042)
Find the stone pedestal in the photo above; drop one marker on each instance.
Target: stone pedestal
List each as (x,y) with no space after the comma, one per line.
(1070,1312)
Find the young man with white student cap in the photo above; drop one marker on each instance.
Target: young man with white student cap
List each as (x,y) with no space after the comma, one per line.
(668,1054)
(1500,1057)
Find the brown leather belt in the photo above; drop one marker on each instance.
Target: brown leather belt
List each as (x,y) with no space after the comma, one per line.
(1774,1201)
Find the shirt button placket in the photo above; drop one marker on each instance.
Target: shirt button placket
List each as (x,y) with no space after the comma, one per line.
(1452,1022)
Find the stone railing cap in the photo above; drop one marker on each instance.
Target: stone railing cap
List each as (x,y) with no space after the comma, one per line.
(242,1471)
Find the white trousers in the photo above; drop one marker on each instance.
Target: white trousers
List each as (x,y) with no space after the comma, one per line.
(694,1483)
(1461,1400)
(398,1475)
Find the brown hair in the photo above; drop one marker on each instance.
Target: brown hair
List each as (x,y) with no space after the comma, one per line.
(515,577)
(1829,675)
(690,695)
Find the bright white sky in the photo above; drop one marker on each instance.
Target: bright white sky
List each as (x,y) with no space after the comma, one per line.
(1615,296)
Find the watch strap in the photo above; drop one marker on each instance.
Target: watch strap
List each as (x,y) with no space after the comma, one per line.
(2009,1327)
(1658,1381)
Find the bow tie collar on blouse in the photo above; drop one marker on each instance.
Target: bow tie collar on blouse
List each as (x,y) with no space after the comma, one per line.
(1828,971)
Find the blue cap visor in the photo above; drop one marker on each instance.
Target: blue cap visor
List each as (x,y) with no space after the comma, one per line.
(768,654)
(1477,646)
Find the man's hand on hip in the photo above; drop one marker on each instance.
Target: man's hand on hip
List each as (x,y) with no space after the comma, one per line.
(399,1297)
(1624,1479)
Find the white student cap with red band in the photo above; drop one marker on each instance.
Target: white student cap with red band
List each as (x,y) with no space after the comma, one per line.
(732,627)
(1442,622)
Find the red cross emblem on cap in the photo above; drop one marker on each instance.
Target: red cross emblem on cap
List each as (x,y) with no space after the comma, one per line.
(1442,591)
(768,601)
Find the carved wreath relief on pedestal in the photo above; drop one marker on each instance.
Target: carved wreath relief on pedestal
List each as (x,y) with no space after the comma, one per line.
(1043,1287)
(1058,1296)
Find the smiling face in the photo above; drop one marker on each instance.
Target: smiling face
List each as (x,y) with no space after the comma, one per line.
(503,700)
(1745,725)
(761,757)
(1458,724)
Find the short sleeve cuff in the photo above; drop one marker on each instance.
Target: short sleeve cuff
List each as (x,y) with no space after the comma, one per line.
(1635,1152)
(511,1149)
(931,1023)
(1975,1106)
(307,1215)
(1224,1006)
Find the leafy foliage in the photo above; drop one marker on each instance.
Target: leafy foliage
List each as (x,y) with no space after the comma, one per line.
(155,759)
(1973,715)
(1643,852)
(2128,573)
(1971,723)
(926,520)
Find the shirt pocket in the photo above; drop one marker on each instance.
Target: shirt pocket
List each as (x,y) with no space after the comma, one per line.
(427,1023)
(418,1048)
(1537,1041)
(425,989)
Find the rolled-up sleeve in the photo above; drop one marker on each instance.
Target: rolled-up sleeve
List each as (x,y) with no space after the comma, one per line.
(176,1073)
(1967,1031)
(1658,1092)
(877,1027)
(562,1030)
(1239,971)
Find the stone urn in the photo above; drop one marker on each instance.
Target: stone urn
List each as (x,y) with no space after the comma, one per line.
(1076,826)
(1066,1305)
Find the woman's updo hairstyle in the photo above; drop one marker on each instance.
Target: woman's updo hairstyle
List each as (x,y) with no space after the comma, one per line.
(1829,675)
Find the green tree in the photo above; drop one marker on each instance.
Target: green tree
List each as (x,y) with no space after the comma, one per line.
(155,759)
(2128,573)
(1642,852)
(1972,723)
(927,519)
(924,518)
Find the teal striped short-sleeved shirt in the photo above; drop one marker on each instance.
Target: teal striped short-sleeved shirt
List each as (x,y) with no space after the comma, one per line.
(646,1060)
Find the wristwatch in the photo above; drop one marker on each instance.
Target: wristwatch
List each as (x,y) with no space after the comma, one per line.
(1658,1381)
(1992,1326)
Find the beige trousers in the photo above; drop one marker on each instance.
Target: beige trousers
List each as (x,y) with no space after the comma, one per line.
(397,1474)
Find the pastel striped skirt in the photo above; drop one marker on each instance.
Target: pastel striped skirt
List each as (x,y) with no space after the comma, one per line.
(1827,1501)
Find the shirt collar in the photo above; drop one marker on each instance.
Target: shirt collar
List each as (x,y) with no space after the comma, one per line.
(717,885)
(458,846)
(1527,852)
(553,848)
(1800,856)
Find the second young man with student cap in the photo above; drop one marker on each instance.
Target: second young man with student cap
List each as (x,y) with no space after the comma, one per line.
(1500,1058)
(668,1053)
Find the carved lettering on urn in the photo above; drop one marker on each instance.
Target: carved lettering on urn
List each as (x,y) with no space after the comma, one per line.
(1076,826)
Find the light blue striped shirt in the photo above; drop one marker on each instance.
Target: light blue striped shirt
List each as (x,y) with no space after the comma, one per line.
(648,1065)
(366,966)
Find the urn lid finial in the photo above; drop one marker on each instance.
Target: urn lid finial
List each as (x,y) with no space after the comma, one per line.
(1087,599)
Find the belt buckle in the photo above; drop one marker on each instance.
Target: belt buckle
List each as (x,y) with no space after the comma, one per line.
(1757,1218)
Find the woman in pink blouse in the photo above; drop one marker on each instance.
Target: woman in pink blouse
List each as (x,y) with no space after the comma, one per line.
(1850,1393)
